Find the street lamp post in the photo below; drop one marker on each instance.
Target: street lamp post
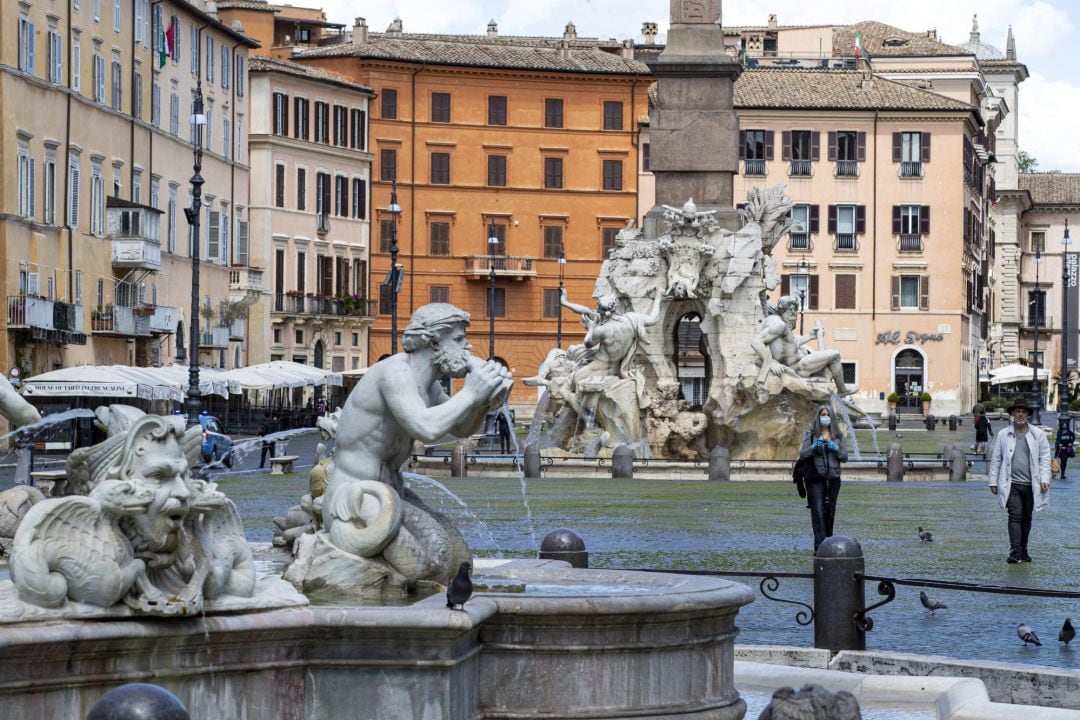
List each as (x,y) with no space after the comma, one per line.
(193,213)
(1037,319)
(1063,383)
(393,278)
(562,267)
(493,243)
(804,271)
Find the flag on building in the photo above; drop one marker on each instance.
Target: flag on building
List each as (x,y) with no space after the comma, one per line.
(165,47)
(858,45)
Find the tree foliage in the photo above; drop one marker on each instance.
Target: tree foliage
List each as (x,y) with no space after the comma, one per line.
(1026,163)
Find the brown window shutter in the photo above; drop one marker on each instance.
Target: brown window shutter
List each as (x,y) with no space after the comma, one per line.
(896,225)
(925,145)
(860,219)
(924,293)
(814,221)
(815,146)
(897,149)
(785,284)
(785,145)
(924,220)
(770,136)
(895,292)
(832,220)
(832,147)
(812,300)
(284,114)
(860,147)
(845,292)
(742,144)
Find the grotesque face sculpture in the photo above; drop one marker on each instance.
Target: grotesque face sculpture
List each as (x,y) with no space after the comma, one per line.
(788,309)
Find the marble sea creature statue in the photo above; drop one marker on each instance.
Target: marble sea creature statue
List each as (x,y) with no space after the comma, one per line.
(14,504)
(14,408)
(781,350)
(811,702)
(328,424)
(770,208)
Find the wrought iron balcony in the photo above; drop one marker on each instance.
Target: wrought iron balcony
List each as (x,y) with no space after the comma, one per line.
(847,168)
(217,337)
(911,169)
(910,243)
(846,242)
(801,168)
(799,241)
(46,319)
(116,320)
(320,306)
(753,167)
(163,321)
(479,266)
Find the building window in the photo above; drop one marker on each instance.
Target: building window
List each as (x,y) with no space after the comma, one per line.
(76,64)
(209,59)
(50,188)
(117,79)
(613,110)
(613,175)
(846,222)
(300,118)
(26,45)
(322,195)
(551,303)
(241,75)
(170,245)
(386,300)
(496,306)
(301,189)
(26,170)
(97,200)
(74,172)
(850,377)
(440,239)
(1037,308)
(386,232)
(553,173)
(608,238)
(355,339)
(389,104)
(388,165)
(174,114)
(298,336)
(755,147)
(358,129)
(341,196)
(910,292)
(440,107)
(281,114)
(1038,241)
(322,122)
(910,223)
(439,294)
(553,241)
(440,168)
(645,157)
(226,67)
(496,110)
(359,199)
(799,287)
(155,102)
(499,247)
(496,171)
(845,292)
(99,77)
(553,112)
(279,186)
(341,126)
(805,224)
(800,147)
(847,148)
(911,150)
(56,57)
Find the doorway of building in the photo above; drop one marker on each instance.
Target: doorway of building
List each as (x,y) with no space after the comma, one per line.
(909,379)
(319,354)
(692,366)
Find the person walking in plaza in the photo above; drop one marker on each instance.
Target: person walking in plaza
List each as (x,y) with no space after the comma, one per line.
(502,425)
(822,450)
(268,427)
(1063,443)
(982,431)
(1020,476)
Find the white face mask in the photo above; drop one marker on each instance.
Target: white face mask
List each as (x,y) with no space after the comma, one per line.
(825,421)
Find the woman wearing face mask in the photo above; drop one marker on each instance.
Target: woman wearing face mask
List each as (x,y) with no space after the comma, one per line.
(825,444)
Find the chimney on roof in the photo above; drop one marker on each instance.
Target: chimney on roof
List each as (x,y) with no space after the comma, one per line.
(395,28)
(211,9)
(493,28)
(627,48)
(973,37)
(649,31)
(1010,46)
(772,21)
(570,33)
(237,26)
(359,31)
(932,34)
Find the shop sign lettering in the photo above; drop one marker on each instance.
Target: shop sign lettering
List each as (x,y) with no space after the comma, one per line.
(892,337)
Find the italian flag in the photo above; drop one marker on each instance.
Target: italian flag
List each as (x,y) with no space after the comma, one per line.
(858,45)
(168,37)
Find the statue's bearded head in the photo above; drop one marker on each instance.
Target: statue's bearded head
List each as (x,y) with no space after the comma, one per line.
(451,353)
(441,327)
(788,309)
(606,306)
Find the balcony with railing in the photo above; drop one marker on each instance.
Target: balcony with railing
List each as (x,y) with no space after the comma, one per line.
(799,241)
(753,167)
(46,319)
(911,169)
(801,168)
(1040,320)
(135,233)
(910,243)
(325,306)
(846,242)
(244,282)
(847,168)
(238,329)
(479,266)
(163,320)
(216,337)
(118,320)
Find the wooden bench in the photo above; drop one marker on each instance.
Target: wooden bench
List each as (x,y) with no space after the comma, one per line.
(282,464)
(50,482)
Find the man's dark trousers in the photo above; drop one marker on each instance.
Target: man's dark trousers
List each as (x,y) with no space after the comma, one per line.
(1019,506)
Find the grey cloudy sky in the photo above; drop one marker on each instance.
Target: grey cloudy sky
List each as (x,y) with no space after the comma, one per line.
(1044,29)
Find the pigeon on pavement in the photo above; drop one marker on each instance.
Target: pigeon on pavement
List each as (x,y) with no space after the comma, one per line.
(926,535)
(460,588)
(931,605)
(1025,633)
(1068,632)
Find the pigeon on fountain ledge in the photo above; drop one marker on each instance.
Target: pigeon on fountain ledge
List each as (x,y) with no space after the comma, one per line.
(931,605)
(926,535)
(1025,633)
(1068,632)
(460,588)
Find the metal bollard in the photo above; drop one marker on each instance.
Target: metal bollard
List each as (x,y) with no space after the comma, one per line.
(563,544)
(892,422)
(532,461)
(459,461)
(894,463)
(931,422)
(838,595)
(622,463)
(953,422)
(720,464)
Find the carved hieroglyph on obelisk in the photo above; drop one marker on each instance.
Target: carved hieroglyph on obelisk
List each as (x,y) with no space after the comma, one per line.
(693,129)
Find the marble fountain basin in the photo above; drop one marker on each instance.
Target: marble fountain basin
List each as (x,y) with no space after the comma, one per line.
(574,647)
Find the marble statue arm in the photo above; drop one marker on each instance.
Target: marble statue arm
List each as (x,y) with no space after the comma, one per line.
(459,413)
(13,407)
(654,314)
(760,345)
(586,313)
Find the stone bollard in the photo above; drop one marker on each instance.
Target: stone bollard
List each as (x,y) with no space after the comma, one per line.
(894,463)
(953,423)
(838,595)
(24,464)
(720,464)
(563,544)
(532,461)
(958,466)
(931,422)
(459,461)
(622,463)
(892,422)
(138,701)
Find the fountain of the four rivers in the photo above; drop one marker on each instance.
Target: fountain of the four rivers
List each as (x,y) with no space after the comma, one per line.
(142,573)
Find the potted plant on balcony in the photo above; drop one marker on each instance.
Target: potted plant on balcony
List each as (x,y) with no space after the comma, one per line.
(144,310)
(101,319)
(925,399)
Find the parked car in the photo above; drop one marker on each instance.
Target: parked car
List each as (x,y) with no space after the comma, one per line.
(216,445)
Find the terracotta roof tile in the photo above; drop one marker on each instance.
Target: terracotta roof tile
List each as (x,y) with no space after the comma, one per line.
(1052,188)
(833,89)
(258,5)
(260,63)
(879,39)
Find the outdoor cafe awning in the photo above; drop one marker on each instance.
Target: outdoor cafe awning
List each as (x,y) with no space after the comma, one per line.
(101,381)
(280,374)
(1015,373)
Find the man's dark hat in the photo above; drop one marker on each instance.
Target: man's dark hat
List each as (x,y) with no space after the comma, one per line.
(1020,404)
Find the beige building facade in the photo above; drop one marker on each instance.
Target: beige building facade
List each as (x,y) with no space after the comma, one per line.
(98,142)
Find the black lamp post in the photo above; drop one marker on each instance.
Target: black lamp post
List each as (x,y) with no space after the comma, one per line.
(804,270)
(562,268)
(393,278)
(1037,318)
(1063,383)
(493,244)
(193,213)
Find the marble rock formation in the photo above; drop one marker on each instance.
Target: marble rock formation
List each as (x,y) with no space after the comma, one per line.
(376,534)
(811,702)
(622,385)
(14,504)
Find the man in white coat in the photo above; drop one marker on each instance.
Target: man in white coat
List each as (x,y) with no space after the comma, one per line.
(1020,476)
